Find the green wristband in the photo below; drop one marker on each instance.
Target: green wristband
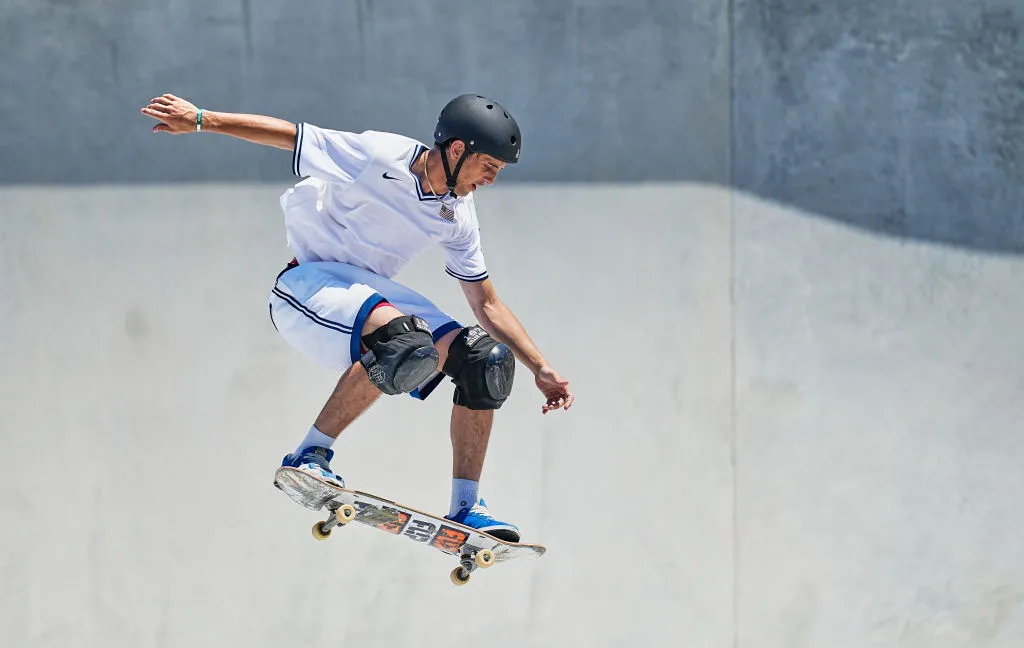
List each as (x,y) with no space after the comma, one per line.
(199,120)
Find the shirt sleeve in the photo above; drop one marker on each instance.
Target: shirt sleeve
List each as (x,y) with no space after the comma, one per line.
(464,258)
(335,156)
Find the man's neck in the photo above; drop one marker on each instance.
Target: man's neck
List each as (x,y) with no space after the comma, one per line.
(431,160)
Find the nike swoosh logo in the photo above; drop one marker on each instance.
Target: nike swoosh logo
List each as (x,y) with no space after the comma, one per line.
(386,176)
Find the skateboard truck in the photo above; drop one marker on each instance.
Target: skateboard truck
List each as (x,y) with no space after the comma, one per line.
(341,514)
(469,561)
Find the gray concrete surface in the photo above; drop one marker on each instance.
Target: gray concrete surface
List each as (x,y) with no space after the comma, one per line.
(904,118)
(811,438)
(142,370)
(823,232)
(878,387)
(603,89)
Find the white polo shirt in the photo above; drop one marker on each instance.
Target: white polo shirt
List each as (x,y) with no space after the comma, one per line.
(361,204)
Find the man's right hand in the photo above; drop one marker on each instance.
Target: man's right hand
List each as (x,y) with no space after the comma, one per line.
(176,115)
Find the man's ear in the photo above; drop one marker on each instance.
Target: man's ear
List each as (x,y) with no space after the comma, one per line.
(456,149)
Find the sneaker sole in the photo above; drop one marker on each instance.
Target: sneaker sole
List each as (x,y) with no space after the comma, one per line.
(505,535)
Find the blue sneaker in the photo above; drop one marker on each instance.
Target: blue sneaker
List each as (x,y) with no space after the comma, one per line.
(315,460)
(479,518)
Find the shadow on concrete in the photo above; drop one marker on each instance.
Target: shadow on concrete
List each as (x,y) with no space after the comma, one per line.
(903,119)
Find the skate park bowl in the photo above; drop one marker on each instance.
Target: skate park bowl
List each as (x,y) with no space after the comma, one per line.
(781,268)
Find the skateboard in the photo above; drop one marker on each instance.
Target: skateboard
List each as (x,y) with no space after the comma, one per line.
(474,550)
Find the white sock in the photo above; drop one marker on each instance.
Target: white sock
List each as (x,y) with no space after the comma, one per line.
(464,495)
(315,438)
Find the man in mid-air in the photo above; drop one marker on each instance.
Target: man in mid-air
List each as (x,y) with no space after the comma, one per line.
(370,202)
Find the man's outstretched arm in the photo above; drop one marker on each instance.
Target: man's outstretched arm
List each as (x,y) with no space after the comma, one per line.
(178,116)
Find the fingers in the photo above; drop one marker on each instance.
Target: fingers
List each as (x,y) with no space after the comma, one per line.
(164,105)
(163,126)
(159,105)
(563,402)
(168,110)
(556,389)
(156,111)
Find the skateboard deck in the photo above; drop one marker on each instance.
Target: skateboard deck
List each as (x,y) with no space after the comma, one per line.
(473,549)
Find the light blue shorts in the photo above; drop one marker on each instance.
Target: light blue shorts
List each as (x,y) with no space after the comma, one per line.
(320,308)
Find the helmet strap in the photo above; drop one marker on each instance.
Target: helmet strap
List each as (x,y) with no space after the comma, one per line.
(451,175)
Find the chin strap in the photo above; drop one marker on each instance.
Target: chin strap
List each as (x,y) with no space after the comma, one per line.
(449,174)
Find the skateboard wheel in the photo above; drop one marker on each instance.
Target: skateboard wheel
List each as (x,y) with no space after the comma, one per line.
(460,576)
(345,513)
(484,558)
(319,533)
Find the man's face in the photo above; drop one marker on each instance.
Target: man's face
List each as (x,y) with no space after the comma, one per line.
(479,169)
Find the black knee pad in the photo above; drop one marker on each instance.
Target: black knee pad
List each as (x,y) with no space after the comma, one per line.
(481,368)
(401,355)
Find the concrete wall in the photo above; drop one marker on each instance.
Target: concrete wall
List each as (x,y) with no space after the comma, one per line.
(878,387)
(812,436)
(142,369)
(820,218)
(604,89)
(904,117)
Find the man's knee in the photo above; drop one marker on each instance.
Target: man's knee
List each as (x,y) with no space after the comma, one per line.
(400,355)
(482,369)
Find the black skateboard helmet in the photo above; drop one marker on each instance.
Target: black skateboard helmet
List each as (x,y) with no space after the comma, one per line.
(483,125)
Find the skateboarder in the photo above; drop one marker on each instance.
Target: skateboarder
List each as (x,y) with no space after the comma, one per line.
(370,202)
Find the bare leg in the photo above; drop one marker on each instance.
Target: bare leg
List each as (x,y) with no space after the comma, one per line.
(470,429)
(379,317)
(354,393)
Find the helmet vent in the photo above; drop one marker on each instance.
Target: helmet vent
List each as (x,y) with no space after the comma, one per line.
(513,139)
(490,106)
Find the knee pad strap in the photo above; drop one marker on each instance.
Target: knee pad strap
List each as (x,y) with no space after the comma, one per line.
(400,355)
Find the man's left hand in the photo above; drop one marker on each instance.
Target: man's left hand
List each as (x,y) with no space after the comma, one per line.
(555,388)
